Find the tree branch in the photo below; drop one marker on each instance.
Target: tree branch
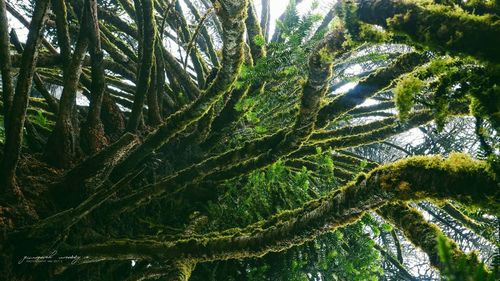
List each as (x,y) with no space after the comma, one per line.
(368,87)
(437,26)
(458,177)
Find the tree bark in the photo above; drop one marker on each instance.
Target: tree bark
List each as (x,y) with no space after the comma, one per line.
(5,62)
(17,113)
(144,82)
(63,146)
(93,137)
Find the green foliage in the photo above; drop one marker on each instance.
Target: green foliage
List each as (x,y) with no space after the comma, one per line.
(460,269)
(259,40)
(265,192)
(40,119)
(287,58)
(284,69)
(346,254)
(404,92)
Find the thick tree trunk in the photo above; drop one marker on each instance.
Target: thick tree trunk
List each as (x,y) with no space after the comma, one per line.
(17,113)
(63,146)
(93,136)
(5,62)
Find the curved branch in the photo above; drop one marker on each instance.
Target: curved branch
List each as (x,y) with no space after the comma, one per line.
(437,26)
(422,233)
(458,177)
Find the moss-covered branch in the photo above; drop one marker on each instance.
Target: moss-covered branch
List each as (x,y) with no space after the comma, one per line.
(458,177)
(372,132)
(62,30)
(437,26)
(422,233)
(368,87)
(233,16)
(265,151)
(257,49)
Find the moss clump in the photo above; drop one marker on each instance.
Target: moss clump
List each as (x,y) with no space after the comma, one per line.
(460,267)
(404,94)
(373,33)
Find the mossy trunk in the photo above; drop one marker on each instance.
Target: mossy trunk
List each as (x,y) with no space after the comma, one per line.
(5,62)
(145,15)
(93,136)
(63,146)
(17,112)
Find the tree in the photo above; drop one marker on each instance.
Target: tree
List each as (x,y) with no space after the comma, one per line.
(204,141)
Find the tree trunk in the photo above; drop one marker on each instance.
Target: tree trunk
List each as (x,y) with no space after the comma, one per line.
(63,146)
(17,113)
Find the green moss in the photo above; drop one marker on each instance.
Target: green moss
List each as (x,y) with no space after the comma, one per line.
(326,55)
(259,40)
(439,27)
(404,92)
(372,33)
(460,267)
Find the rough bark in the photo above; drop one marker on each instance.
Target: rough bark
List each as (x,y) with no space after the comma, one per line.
(5,62)
(93,136)
(63,147)
(144,77)
(17,112)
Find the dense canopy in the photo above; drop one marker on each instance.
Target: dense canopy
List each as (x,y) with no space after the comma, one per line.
(226,140)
